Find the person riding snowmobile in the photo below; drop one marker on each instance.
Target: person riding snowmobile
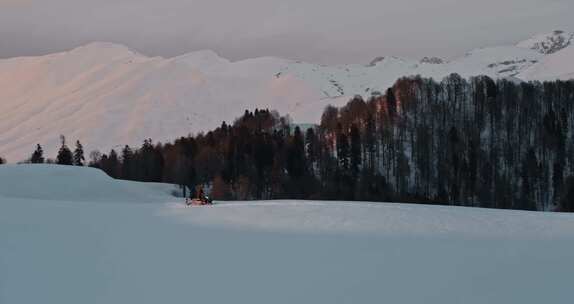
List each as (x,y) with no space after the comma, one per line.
(200,199)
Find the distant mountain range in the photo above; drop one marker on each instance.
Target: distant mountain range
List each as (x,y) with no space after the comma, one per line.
(106,95)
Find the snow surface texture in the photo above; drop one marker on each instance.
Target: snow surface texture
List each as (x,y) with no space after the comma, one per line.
(107,95)
(113,250)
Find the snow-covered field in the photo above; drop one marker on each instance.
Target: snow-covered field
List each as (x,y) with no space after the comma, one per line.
(107,95)
(122,242)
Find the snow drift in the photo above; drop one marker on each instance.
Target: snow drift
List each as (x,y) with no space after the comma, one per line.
(107,95)
(76,184)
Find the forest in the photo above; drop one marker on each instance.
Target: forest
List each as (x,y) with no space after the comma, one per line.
(470,142)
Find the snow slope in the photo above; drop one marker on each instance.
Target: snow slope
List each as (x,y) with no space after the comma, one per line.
(109,251)
(107,95)
(548,43)
(559,65)
(380,219)
(67,183)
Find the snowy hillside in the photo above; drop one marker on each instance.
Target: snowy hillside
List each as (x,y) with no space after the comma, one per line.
(68,183)
(559,65)
(548,43)
(79,246)
(107,95)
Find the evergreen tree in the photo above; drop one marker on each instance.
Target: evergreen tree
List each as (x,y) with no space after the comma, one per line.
(65,156)
(79,154)
(37,155)
(150,162)
(296,157)
(109,164)
(127,171)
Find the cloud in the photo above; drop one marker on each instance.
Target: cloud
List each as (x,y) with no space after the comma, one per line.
(328,31)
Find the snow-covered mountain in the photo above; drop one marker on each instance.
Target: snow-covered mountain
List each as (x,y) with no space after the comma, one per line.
(548,43)
(107,95)
(559,65)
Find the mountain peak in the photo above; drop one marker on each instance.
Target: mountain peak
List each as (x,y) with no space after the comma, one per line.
(107,50)
(201,58)
(101,45)
(548,43)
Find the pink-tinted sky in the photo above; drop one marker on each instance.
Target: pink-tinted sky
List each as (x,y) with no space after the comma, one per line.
(326,31)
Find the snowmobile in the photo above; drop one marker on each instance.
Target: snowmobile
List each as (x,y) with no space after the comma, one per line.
(200,201)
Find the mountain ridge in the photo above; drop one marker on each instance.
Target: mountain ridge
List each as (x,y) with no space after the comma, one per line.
(107,95)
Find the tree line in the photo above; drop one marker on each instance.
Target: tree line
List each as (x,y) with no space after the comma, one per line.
(65,155)
(471,142)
